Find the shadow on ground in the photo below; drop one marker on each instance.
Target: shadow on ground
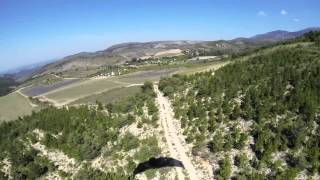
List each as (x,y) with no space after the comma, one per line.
(157,163)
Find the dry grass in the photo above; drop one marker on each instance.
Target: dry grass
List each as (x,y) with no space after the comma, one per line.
(14,105)
(171,52)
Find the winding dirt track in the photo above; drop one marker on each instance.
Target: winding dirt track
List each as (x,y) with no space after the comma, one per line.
(171,132)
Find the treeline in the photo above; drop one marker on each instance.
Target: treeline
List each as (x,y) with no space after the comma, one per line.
(278,92)
(81,133)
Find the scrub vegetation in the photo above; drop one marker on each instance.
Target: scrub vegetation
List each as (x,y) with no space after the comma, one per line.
(257,118)
(93,142)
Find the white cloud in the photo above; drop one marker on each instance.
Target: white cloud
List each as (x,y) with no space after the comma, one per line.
(284,12)
(296,20)
(262,13)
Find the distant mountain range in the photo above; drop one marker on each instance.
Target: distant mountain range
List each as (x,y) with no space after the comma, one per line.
(282,35)
(121,53)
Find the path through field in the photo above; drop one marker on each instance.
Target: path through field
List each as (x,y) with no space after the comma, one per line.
(27,98)
(173,139)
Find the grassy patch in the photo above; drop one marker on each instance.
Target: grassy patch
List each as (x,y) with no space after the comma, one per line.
(14,105)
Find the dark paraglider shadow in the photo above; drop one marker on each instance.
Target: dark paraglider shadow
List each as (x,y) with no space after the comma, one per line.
(157,163)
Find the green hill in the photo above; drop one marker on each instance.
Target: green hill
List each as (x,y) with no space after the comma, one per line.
(257,117)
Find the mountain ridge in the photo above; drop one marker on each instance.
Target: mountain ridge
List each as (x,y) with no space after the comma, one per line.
(282,35)
(120,53)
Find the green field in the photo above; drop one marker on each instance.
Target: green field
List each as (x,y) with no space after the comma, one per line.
(109,96)
(14,105)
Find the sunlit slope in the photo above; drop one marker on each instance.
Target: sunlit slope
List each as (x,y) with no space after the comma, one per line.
(14,105)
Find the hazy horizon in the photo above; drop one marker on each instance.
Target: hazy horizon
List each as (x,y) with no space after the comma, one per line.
(37,31)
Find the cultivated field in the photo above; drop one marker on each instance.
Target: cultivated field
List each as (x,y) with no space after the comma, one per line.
(149,75)
(43,80)
(79,90)
(109,96)
(74,91)
(14,105)
(41,89)
(87,91)
(171,52)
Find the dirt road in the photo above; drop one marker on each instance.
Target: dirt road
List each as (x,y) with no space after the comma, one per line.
(174,140)
(25,96)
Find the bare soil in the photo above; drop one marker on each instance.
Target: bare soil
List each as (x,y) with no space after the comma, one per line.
(176,144)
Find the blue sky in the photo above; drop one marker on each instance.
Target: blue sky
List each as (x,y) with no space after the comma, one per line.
(39,30)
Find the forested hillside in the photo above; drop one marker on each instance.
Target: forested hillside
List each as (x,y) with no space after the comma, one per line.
(257,117)
(83,143)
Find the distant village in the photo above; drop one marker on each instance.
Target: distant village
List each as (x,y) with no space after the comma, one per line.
(112,73)
(188,55)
